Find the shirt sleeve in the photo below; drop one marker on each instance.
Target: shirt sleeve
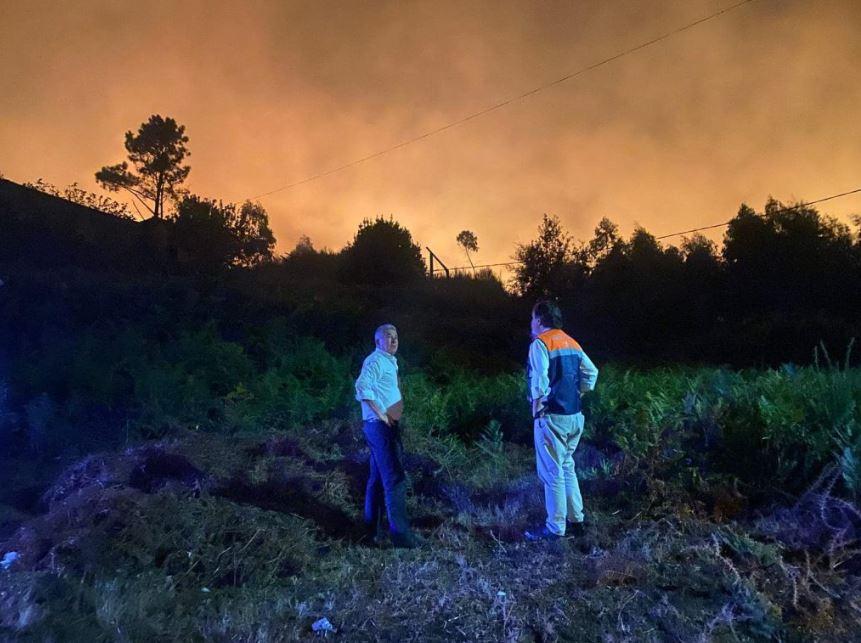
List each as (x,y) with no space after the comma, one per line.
(588,374)
(539,365)
(369,376)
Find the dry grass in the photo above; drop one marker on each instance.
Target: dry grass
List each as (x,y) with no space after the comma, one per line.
(250,539)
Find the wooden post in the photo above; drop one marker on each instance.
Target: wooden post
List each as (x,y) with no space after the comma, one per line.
(438,260)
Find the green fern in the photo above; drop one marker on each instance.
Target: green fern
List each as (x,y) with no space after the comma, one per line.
(490,443)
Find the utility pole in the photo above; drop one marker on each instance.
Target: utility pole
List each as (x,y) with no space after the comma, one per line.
(431,257)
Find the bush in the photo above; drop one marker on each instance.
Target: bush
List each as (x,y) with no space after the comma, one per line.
(165,372)
(777,427)
(465,404)
(303,384)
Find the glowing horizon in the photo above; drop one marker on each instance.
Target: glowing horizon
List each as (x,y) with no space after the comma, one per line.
(761,101)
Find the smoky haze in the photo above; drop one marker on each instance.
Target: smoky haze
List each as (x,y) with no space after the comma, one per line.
(761,101)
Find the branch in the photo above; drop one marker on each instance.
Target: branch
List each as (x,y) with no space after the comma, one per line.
(135,206)
(139,198)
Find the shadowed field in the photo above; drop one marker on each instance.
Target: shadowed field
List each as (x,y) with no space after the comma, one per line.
(253,539)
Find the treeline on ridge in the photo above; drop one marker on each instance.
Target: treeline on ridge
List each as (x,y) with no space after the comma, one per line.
(784,281)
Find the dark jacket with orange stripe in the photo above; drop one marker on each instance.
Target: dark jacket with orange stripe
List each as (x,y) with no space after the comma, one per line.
(569,372)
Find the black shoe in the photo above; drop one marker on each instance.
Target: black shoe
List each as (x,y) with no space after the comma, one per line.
(372,540)
(373,536)
(575,529)
(409,540)
(540,533)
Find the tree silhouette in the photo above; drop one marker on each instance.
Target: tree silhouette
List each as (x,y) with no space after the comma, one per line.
(303,247)
(782,260)
(203,234)
(156,152)
(307,263)
(634,297)
(213,235)
(251,226)
(382,253)
(468,241)
(545,265)
(698,249)
(703,284)
(606,238)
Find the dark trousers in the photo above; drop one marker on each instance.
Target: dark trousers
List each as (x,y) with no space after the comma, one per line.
(387,483)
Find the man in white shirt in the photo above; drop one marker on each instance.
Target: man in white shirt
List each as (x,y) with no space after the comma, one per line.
(558,373)
(377,391)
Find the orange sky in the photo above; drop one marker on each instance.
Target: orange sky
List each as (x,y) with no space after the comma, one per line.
(764,100)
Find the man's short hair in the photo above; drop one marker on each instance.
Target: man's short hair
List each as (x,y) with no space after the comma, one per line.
(548,313)
(382,329)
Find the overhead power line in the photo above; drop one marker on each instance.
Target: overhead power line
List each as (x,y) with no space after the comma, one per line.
(803,204)
(484,265)
(509,101)
(787,209)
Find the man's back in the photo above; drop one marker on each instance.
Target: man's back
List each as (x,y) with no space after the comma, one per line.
(569,371)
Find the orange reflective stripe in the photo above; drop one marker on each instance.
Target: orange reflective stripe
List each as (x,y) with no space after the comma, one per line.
(555,339)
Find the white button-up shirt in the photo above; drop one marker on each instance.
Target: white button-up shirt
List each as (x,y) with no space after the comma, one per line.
(378,382)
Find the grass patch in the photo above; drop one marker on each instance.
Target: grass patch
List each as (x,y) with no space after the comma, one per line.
(243,551)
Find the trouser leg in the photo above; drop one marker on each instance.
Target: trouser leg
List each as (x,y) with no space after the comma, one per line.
(374,500)
(386,449)
(573,498)
(549,455)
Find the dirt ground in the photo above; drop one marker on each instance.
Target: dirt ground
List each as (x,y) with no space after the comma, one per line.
(249,539)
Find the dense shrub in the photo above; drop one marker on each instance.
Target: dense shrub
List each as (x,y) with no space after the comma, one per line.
(302,384)
(776,426)
(465,404)
(112,369)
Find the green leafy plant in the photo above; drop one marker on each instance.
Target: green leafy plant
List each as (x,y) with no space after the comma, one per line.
(490,443)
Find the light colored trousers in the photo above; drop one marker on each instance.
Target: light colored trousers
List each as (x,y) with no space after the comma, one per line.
(556,439)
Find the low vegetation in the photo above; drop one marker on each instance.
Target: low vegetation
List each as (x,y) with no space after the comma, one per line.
(722,504)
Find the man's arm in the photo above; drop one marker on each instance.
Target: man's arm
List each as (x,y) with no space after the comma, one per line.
(365,388)
(588,374)
(539,380)
(376,409)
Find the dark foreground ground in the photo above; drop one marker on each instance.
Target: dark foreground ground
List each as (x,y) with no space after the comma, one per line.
(256,539)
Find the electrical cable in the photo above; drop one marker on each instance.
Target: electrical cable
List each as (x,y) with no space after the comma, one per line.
(803,204)
(509,101)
